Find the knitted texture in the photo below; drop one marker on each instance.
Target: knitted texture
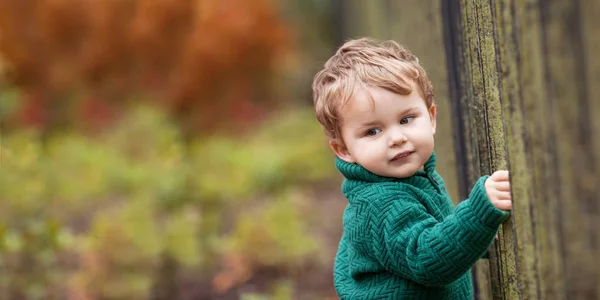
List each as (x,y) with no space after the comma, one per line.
(403,238)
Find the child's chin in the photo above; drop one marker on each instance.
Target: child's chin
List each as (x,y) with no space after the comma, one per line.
(405,173)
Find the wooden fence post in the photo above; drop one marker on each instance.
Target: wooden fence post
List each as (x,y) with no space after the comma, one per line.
(524,86)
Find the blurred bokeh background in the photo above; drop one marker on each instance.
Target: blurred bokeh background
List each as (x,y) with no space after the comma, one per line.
(167,149)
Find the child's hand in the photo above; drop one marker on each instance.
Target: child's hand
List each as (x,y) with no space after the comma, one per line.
(497,188)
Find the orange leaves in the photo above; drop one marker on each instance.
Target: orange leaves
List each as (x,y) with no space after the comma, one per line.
(228,50)
(187,53)
(237,270)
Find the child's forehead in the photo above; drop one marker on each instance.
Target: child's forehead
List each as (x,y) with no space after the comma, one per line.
(361,99)
(360,102)
(375,100)
(366,98)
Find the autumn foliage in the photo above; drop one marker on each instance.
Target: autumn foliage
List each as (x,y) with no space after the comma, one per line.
(79,61)
(135,213)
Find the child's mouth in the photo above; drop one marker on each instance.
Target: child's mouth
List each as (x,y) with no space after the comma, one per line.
(402,155)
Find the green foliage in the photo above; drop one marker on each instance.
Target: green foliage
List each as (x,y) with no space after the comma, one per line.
(103,212)
(9,100)
(284,151)
(275,235)
(21,170)
(281,291)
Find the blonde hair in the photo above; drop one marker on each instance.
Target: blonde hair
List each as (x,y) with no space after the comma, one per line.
(368,62)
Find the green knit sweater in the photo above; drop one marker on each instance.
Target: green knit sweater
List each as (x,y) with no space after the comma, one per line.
(403,239)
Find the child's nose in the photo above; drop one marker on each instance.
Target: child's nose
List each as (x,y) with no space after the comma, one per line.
(396,137)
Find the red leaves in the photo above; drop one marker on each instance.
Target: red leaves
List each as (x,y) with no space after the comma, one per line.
(189,54)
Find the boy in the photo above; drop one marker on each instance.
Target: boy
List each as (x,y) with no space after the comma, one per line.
(403,238)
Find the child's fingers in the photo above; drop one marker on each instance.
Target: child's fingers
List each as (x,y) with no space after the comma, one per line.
(503,195)
(502,186)
(503,204)
(501,175)
(494,194)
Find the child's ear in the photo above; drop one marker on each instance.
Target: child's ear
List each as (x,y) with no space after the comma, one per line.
(341,151)
(432,115)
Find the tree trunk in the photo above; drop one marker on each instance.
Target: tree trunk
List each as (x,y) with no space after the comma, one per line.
(523,79)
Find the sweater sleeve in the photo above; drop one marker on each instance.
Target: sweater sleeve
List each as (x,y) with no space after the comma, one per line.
(409,242)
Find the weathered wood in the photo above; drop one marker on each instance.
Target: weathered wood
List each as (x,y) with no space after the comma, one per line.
(523,221)
(575,161)
(590,29)
(527,80)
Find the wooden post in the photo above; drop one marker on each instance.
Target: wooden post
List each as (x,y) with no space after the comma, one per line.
(524,86)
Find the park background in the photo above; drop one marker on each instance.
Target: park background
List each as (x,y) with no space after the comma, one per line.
(161,149)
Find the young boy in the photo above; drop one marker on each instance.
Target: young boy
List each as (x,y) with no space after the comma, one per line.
(403,238)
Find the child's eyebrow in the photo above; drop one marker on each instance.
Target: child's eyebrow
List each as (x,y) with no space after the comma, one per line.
(373,123)
(368,124)
(409,110)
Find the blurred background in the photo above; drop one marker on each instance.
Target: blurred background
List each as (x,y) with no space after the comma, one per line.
(167,149)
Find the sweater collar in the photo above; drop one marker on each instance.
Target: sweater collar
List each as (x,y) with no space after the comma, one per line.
(354,171)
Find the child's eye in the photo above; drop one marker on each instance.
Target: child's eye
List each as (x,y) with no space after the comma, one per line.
(373,131)
(406,120)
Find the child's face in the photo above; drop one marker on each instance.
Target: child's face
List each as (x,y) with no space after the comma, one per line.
(391,136)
